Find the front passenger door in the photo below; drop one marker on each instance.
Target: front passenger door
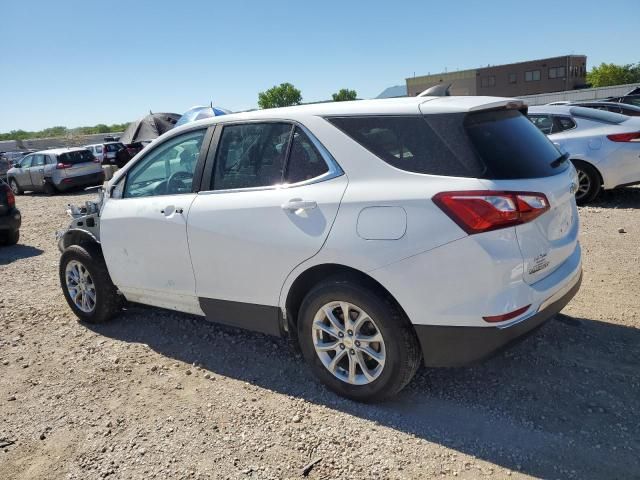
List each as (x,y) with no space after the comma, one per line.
(144,232)
(22,176)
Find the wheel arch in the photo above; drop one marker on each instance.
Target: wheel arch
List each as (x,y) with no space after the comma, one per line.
(591,164)
(77,236)
(306,280)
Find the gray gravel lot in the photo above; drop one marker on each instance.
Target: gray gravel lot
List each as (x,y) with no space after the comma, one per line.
(156,394)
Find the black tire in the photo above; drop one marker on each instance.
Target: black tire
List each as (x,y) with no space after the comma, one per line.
(107,302)
(10,238)
(49,188)
(403,354)
(589,183)
(15,187)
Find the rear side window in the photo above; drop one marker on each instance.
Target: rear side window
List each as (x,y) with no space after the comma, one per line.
(77,156)
(410,143)
(251,155)
(305,162)
(112,147)
(564,123)
(495,144)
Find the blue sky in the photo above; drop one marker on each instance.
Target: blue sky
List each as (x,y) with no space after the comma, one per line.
(78,63)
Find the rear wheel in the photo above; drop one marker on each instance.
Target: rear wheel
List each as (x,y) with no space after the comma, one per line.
(15,188)
(49,189)
(357,341)
(87,285)
(10,238)
(589,183)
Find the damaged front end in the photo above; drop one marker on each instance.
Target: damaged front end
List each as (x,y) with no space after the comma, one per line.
(85,224)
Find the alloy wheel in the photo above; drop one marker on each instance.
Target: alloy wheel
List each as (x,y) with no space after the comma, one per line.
(584,184)
(348,343)
(80,286)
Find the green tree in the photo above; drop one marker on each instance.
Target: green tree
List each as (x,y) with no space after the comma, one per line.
(344,95)
(283,95)
(607,74)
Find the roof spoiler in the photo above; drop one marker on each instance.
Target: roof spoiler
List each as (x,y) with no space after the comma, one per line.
(440,90)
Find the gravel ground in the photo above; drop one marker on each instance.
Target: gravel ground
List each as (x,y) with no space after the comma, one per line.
(156,394)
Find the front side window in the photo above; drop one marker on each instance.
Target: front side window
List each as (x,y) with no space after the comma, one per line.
(168,169)
(251,155)
(26,161)
(305,162)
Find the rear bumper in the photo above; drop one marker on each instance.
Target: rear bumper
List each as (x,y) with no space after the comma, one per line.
(445,346)
(10,221)
(81,181)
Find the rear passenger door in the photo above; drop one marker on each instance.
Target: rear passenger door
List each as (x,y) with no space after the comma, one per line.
(36,171)
(268,200)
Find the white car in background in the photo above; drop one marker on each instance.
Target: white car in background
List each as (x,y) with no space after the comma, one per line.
(603,146)
(375,234)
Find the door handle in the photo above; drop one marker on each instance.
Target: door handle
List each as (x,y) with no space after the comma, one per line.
(297,204)
(171,210)
(41,170)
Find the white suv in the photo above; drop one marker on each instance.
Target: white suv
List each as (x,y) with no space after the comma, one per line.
(376,234)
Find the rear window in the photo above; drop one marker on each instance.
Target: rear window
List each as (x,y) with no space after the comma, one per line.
(113,147)
(77,156)
(598,115)
(496,144)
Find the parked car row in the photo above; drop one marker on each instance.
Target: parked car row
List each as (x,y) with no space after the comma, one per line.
(603,146)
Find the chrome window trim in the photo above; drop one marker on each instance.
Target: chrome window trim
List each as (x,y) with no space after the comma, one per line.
(334,168)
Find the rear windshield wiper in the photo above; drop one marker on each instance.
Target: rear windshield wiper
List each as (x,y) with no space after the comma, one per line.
(560,160)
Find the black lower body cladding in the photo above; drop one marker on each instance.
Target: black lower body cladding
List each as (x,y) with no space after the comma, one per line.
(444,346)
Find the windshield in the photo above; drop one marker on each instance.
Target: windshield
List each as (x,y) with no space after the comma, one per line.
(77,156)
(598,115)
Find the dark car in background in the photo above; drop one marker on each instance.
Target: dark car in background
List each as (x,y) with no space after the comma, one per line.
(615,107)
(10,218)
(628,99)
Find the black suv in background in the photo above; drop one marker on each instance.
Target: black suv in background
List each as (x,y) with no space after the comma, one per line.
(10,218)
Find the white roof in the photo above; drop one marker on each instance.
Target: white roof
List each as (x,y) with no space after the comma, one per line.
(59,151)
(385,106)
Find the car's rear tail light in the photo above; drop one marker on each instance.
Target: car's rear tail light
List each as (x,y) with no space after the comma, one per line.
(506,316)
(11,198)
(477,211)
(625,137)
(62,166)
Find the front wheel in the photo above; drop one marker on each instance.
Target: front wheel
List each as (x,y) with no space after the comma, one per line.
(87,285)
(357,342)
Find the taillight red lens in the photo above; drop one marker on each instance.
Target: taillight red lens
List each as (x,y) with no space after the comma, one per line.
(477,211)
(506,316)
(61,166)
(625,137)
(11,198)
